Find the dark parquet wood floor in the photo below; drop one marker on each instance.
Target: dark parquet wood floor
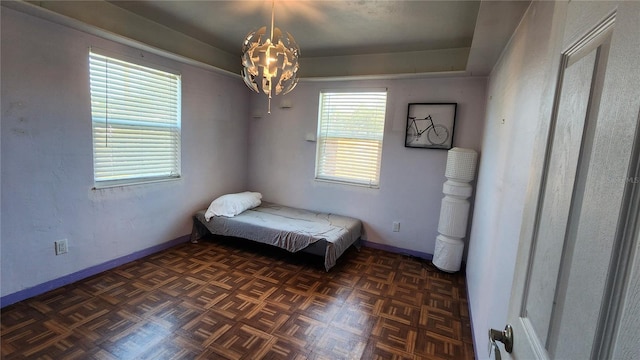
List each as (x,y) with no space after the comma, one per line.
(226,299)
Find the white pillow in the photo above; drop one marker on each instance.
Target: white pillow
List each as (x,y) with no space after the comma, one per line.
(231,205)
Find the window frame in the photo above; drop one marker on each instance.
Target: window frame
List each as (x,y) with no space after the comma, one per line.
(139,121)
(353,181)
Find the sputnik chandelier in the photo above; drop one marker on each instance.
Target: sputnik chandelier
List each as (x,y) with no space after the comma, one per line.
(270,65)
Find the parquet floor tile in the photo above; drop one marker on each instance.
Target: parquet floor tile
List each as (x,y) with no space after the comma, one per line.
(339,344)
(232,299)
(354,320)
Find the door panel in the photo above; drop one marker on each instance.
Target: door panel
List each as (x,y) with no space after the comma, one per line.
(558,192)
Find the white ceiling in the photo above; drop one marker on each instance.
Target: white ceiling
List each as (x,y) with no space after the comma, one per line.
(322,28)
(336,37)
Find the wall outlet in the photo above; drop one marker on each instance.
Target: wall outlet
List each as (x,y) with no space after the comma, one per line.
(61,246)
(396,226)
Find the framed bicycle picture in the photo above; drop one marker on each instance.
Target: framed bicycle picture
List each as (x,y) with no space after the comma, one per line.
(430,125)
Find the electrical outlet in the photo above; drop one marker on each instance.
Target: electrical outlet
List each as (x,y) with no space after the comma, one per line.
(61,246)
(396,226)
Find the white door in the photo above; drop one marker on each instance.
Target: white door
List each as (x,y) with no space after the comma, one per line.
(563,285)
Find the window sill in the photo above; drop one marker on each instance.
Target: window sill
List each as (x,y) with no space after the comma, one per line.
(133,182)
(343,182)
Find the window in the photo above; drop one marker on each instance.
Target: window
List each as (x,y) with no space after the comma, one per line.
(135,112)
(350,131)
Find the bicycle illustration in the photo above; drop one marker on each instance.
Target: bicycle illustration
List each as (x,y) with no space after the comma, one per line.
(436,134)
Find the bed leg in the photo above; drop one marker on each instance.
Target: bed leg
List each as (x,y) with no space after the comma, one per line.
(195,234)
(358,244)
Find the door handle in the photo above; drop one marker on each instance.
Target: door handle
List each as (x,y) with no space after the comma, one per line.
(505,336)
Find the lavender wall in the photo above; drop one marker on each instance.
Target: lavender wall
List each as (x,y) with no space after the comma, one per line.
(282,163)
(47,169)
(520,98)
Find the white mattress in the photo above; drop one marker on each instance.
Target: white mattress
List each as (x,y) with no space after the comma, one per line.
(289,228)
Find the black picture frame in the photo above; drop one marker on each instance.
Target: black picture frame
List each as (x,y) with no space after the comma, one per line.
(430,125)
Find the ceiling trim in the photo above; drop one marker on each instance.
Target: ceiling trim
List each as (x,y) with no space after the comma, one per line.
(103,19)
(428,61)
(170,44)
(496,23)
(422,75)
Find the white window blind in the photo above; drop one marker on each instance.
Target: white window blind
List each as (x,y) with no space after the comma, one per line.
(135,113)
(350,132)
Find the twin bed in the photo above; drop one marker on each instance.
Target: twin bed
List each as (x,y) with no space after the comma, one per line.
(289,228)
